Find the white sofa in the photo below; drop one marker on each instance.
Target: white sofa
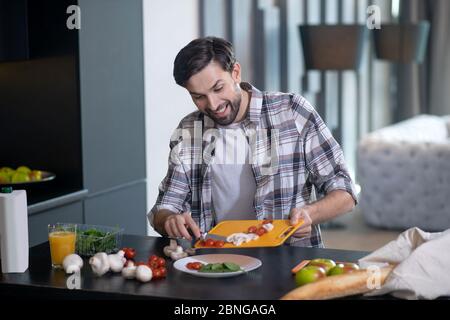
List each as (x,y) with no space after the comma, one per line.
(404,173)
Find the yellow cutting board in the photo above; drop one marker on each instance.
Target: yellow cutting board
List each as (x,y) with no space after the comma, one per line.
(281,231)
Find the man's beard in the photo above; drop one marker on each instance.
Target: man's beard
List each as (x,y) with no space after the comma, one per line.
(234,110)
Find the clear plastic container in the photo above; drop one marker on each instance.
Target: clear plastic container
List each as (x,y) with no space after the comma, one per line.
(94,238)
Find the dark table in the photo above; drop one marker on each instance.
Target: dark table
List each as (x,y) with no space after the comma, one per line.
(271,281)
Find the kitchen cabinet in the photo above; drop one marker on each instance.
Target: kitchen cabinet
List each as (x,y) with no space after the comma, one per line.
(38,222)
(123,207)
(91,119)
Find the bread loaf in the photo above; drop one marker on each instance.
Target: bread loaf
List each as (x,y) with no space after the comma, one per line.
(338,286)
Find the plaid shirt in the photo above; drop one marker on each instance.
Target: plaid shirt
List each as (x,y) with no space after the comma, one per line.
(296,161)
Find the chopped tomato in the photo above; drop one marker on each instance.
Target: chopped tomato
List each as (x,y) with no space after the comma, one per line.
(252,229)
(190,265)
(219,243)
(267,221)
(210,242)
(197,265)
(261,231)
(194,265)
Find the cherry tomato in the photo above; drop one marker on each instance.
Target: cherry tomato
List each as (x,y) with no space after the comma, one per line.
(252,229)
(219,243)
(210,242)
(163,272)
(156,274)
(261,231)
(161,262)
(153,258)
(202,243)
(189,265)
(130,253)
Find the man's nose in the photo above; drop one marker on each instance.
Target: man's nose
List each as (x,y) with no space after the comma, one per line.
(214,103)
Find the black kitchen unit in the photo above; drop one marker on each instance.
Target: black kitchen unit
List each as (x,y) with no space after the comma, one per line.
(72,102)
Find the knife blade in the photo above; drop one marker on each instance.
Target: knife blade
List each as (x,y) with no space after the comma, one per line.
(183,242)
(214,237)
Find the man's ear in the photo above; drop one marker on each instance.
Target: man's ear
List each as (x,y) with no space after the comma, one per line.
(236,72)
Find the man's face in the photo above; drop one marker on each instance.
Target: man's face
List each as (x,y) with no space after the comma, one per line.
(216,92)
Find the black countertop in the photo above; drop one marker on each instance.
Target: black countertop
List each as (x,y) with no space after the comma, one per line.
(271,281)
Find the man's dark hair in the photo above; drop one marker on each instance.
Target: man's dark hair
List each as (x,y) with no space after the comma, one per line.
(198,54)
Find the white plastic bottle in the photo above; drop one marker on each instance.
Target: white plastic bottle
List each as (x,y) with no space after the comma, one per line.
(13,230)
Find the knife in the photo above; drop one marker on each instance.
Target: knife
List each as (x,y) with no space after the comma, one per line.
(213,236)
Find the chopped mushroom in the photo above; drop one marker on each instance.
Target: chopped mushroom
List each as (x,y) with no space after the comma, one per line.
(174,251)
(170,248)
(239,238)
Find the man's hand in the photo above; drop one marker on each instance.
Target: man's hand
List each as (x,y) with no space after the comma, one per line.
(301,213)
(176,226)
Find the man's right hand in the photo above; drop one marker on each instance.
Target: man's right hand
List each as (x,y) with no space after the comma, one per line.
(177,225)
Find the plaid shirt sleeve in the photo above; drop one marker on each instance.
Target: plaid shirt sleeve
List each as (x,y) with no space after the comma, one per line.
(324,157)
(174,191)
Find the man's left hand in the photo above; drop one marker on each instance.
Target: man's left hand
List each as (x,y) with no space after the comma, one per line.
(301,213)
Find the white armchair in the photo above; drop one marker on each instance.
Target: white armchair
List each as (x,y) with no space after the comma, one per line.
(404,173)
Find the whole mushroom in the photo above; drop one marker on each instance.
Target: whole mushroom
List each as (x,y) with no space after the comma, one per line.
(144,273)
(72,263)
(117,261)
(99,263)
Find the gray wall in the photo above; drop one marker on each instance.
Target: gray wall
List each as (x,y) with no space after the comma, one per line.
(166,102)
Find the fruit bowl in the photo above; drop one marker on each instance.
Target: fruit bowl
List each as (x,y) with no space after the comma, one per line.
(23,176)
(46,176)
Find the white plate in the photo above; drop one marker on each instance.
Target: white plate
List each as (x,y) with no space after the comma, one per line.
(245,262)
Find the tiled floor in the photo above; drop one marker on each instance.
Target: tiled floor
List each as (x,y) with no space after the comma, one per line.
(356,234)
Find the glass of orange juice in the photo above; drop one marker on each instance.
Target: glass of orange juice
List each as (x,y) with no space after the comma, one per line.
(62,237)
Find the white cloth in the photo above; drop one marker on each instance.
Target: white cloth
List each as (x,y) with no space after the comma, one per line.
(233,183)
(423,265)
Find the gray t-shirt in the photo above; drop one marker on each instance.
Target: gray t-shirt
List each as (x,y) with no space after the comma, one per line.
(233,182)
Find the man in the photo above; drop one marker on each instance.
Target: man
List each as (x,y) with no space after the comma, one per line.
(286,154)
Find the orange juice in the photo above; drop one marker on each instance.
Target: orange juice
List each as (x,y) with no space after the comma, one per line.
(62,243)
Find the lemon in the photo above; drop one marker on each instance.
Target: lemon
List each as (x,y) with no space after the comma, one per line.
(23,169)
(20,177)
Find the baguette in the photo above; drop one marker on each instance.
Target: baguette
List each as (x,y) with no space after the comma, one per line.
(337,286)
